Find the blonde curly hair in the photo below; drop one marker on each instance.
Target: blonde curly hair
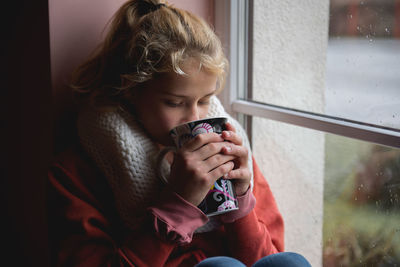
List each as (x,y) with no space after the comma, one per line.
(146,38)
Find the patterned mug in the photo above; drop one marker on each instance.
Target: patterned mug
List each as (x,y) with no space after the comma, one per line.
(221,198)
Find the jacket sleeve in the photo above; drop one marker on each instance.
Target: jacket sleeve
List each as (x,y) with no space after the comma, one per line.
(85,230)
(260,232)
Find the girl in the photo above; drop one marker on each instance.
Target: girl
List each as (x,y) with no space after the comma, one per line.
(158,67)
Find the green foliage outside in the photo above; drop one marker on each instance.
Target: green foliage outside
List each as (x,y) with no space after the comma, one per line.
(361,204)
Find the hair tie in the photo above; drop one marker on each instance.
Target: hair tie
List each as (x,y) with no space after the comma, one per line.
(145,7)
(158,6)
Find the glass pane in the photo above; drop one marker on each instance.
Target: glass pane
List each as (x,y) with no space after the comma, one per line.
(354,75)
(357,182)
(361,204)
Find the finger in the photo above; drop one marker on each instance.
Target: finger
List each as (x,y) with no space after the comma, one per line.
(221,170)
(210,150)
(230,127)
(239,174)
(233,137)
(217,160)
(240,152)
(201,140)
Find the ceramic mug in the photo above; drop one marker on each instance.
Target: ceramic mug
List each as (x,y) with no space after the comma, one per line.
(222,197)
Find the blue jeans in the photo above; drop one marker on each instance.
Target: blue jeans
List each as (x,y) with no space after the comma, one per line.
(283,259)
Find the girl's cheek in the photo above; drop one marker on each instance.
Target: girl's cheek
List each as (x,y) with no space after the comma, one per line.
(169,121)
(204,113)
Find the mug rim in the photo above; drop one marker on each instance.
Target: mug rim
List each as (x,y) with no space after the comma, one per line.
(198,121)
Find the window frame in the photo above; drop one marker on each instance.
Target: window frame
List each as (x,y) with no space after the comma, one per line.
(232,21)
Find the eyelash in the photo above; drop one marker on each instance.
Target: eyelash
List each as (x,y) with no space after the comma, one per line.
(204,102)
(175,104)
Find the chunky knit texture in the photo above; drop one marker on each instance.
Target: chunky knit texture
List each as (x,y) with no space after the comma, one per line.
(127,157)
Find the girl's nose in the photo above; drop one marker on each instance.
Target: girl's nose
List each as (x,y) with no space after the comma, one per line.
(193,113)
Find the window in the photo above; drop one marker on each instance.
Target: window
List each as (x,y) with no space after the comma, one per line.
(315,84)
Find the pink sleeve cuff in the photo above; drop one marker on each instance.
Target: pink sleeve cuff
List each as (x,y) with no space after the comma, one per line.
(175,219)
(246,203)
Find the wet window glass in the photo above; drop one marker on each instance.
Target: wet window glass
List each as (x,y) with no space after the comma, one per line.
(362,81)
(350,187)
(362,180)
(363,62)
(361,204)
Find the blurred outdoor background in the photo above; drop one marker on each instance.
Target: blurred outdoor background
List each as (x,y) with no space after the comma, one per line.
(362,180)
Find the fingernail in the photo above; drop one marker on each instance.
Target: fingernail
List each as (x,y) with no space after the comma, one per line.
(226,175)
(227,134)
(228,148)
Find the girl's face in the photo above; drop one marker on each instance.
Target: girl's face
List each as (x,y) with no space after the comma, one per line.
(174,99)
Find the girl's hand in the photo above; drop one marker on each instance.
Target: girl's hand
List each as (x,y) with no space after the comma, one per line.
(240,174)
(197,165)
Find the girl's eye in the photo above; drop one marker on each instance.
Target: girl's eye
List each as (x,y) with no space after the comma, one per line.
(204,102)
(173,103)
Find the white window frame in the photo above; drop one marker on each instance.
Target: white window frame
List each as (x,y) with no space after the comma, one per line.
(231,24)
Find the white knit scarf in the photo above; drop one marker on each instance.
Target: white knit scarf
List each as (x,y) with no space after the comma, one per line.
(127,157)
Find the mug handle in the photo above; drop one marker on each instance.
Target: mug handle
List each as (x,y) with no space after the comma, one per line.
(159,160)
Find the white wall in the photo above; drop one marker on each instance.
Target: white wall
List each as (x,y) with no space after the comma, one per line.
(290,40)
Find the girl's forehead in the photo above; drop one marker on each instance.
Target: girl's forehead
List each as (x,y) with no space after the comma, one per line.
(200,82)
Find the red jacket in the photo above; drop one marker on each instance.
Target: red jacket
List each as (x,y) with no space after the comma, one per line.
(85,229)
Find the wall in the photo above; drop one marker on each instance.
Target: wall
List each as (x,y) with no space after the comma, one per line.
(290,40)
(203,8)
(76,28)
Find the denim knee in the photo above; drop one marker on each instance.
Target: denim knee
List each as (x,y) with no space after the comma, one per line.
(283,259)
(220,262)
